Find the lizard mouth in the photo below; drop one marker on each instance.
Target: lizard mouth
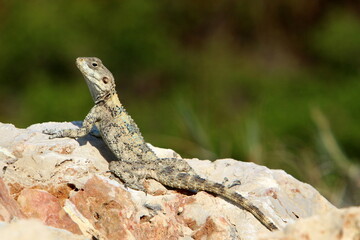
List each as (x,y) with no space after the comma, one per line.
(81,65)
(79,62)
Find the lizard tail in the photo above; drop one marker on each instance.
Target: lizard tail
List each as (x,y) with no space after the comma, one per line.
(195,182)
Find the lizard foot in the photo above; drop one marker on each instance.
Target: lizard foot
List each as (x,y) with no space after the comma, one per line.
(233,184)
(53,133)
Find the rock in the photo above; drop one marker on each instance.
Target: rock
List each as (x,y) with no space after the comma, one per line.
(114,214)
(336,224)
(65,184)
(40,204)
(33,229)
(9,208)
(44,161)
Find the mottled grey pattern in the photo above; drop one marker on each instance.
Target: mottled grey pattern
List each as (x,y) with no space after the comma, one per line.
(137,161)
(134,174)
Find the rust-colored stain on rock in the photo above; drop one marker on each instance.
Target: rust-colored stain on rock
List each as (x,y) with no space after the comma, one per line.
(37,203)
(15,189)
(9,208)
(295,190)
(206,230)
(272,193)
(62,150)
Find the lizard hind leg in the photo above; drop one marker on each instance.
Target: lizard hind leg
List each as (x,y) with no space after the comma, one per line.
(129,173)
(179,164)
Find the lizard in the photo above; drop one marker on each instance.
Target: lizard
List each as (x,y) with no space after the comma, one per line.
(135,159)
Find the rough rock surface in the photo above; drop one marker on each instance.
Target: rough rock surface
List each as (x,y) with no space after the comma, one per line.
(339,224)
(33,229)
(65,184)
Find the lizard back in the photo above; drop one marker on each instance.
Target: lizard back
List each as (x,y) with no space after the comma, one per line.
(121,133)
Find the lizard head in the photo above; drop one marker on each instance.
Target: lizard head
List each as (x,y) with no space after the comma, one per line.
(98,78)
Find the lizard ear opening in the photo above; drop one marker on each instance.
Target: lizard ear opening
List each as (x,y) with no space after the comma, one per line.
(105,80)
(94,64)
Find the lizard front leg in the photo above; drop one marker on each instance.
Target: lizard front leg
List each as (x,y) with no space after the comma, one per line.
(90,119)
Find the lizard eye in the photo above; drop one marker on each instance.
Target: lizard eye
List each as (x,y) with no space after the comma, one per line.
(105,80)
(94,64)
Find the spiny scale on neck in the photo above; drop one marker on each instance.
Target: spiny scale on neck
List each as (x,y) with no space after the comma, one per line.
(108,95)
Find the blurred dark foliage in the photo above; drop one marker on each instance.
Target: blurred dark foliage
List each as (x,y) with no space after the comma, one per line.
(273,82)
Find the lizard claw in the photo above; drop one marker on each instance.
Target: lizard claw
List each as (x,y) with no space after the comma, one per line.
(135,186)
(234,183)
(53,133)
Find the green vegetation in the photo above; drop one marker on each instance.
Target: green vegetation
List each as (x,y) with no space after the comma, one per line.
(274,83)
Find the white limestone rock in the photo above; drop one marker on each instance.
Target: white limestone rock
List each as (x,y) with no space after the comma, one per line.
(33,229)
(30,158)
(337,224)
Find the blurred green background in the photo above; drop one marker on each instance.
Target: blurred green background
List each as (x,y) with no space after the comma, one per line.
(272,82)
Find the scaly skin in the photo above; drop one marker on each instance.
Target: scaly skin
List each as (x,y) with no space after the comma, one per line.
(136,161)
(170,175)
(116,127)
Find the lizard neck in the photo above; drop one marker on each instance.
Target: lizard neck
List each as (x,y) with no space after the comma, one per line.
(106,97)
(111,100)
(114,99)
